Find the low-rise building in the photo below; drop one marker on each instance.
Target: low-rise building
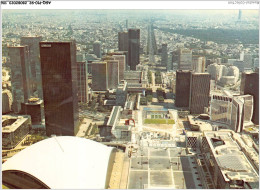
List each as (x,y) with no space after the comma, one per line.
(121,93)
(119,129)
(14,129)
(34,108)
(198,124)
(6,101)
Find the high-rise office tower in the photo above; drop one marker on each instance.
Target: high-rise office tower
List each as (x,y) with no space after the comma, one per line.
(218,60)
(248,60)
(82,75)
(121,93)
(164,55)
(199,92)
(170,63)
(133,48)
(240,65)
(99,76)
(125,53)
(123,41)
(241,57)
(112,73)
(241,112)
(182,90)
(198,64)
(175,56)
(97,48)
(20,76)
(220,109)
(250,85)
(59,82)
(235,111)
(185,59)
(175,59)
(126,24)
(256,62)
(121,59)
(34,61)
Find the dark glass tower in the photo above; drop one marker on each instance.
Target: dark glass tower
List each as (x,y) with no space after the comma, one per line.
(20,72)
(250,85)
(82,74)
(34,61)
(133,48)
(164,55)
(182,88)
(123,41)
(59,81)
(199,92)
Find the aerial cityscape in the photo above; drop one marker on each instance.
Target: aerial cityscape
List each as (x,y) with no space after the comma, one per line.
(130,99)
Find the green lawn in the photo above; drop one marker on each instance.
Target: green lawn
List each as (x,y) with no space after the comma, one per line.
(159,121)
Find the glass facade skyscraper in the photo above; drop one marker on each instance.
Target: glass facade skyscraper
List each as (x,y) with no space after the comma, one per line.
(59,81)
(133,48)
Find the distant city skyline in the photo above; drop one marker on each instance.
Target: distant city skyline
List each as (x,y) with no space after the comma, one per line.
(130,99)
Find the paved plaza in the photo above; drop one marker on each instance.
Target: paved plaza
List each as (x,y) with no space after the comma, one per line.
(163,167)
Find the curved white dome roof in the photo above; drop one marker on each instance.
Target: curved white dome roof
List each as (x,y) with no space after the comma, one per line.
(64,162)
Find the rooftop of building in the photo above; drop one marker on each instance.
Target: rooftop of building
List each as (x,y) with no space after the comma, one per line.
(132,74)
(31,37)
(201,74)
(17,46)
(204,125)
(154,109)
(113,118)
(232,162)
(183,71)
(10,123)
(34,101)
(97,62)
(129,105)
(184,50)
(57,42)
(122,85)
(121,125)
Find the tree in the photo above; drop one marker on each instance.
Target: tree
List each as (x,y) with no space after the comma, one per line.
(101,108)
(93,105)
(149,76)
(143,101)
(149,98)
(160,99)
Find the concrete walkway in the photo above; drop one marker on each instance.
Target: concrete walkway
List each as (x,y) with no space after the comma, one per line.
(125,173)
(83,127)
